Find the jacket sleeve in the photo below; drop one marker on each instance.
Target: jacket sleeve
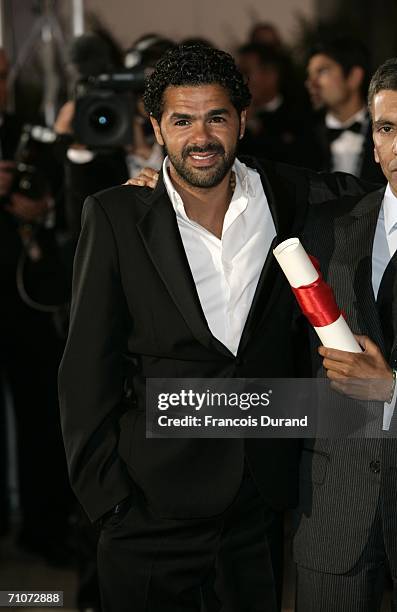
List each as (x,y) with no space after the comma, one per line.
(324,186)
(91,372)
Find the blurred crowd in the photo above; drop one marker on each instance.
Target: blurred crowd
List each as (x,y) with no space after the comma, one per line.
(101,137)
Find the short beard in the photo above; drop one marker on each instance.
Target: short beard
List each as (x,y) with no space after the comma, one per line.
(203,177)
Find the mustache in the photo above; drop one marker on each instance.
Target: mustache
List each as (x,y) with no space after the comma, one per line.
(211,147)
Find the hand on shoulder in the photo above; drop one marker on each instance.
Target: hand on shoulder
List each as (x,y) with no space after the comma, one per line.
(146,178)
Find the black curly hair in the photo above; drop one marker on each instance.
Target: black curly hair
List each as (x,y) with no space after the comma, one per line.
(194,65)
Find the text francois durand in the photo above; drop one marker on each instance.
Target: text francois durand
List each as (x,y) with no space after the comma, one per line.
(244,401)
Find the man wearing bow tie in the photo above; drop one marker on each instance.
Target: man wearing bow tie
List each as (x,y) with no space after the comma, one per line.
(337,81)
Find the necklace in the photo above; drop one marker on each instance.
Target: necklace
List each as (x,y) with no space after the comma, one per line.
(232,182)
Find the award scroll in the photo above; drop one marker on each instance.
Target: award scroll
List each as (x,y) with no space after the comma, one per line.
(315,297)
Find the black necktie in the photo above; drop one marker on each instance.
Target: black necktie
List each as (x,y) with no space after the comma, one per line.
(384,303)
(334,133)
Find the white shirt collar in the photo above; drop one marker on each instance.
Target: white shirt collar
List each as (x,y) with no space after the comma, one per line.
(390,210)
(243,191)
(334,123)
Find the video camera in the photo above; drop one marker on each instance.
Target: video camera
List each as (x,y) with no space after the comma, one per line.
(105,107)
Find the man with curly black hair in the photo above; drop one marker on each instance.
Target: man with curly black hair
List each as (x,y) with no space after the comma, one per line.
(180,282)
(194,65)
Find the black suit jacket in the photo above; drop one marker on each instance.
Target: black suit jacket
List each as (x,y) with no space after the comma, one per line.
(107,168)
(340,490)
(136,314)
(285,135)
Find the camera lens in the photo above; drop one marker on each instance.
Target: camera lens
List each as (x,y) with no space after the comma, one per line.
(102,119)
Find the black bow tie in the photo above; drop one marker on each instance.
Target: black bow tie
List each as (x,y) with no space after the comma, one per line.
(334,133)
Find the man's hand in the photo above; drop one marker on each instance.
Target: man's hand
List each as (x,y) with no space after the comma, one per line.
(146,178)
(26,209)
(363,376)
(6,176)
(64,120)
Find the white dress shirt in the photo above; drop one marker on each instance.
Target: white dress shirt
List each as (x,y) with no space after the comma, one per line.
(226,270)
(346,150)
(385,245)
(390,212)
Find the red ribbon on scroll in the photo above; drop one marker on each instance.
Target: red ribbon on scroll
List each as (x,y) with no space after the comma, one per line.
(317,300)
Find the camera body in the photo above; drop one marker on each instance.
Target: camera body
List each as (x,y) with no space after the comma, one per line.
(29,181)
(105,108)
(33,162)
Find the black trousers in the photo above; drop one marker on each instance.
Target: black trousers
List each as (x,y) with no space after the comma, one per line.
(149,564)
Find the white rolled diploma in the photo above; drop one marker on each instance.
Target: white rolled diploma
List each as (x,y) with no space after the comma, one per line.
(300,272)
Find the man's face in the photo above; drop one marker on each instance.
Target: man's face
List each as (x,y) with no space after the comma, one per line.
(384,131)
(263,81)
(200,129)
(3,80)
(326,83)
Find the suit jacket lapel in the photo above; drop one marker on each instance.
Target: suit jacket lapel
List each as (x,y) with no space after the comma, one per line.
(390,301)
(159,231)
(270,279)
(359,233)
(394,307)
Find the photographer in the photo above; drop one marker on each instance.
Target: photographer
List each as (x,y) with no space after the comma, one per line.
(30,348)
(106,158)
(86,171)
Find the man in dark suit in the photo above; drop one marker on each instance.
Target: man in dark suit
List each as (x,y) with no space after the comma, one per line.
(181,282)
(337,81)
(345,544)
